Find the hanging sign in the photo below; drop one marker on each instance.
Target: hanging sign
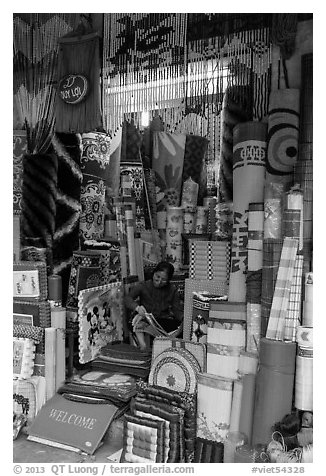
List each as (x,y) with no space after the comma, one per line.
(73,88)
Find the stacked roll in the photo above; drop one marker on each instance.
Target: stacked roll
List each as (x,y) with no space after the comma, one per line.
(201,220)
(174,232)
(254,276)
(307,314)
(304,369)
(249,154)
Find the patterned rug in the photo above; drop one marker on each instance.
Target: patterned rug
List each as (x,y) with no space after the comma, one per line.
(66,237)
(194,163)
(168,160)
(20,148)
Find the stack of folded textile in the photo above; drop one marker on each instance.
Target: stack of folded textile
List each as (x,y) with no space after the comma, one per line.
(115,387)
(123,358)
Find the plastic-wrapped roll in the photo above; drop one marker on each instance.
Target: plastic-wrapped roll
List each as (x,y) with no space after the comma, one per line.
(201,220)
(305,336)
(131,239)
(253,327)
(189,193)
(274,387)
(271,257)
(174,232)
(249,155)
(304,379)
(308,287)
(294,201)
(224,220)
(273,218)
(189,220)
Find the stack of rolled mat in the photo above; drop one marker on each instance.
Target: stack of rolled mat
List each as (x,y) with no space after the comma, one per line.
(118,388)
(125,359)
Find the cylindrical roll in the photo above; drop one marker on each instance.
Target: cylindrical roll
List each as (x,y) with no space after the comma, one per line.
(249,155)
(248,363)
(304,379)
(55,289)
(94,166)
(271,258)
(247,405)
(294,201)
(210,203)
(224,220)
(255,236)
(233,440)
(274,387)
(189,220)
(174,232)
(253,327)
(201,220)
(50,361)
(161,220)
(213,420)
(236,405)
(308,287)
(305,337)
(130,239)
(58,321)
(283,131)
(273,218)
(307,313)
(189,193)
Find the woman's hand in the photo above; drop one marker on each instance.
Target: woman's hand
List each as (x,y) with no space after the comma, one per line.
(141,310)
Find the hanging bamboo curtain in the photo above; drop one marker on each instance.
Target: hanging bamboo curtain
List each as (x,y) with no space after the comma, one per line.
(35,41)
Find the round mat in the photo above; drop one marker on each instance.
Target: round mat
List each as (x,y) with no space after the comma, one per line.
(175,369)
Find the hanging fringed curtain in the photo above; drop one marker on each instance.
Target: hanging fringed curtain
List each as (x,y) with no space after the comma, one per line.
(35,40)
(143,64)
(179,67)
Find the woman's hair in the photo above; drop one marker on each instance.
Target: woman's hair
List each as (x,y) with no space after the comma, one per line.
(165,266)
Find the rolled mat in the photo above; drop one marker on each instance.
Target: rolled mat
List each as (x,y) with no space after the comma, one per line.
(174,232)
(211,286)
(201,220)
(213,420)
(293,315)
(294,202)
(277,317)
(247,405)
(236,405)
(304,379)
(255,236)
(274,387)
(283,131)
(50,361)
(271,257)
(249,155)
(304,176)
(130,220)
(253,327)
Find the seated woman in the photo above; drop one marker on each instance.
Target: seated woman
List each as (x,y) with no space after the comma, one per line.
(159,297)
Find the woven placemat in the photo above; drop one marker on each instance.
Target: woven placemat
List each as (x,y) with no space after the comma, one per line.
(175,369)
